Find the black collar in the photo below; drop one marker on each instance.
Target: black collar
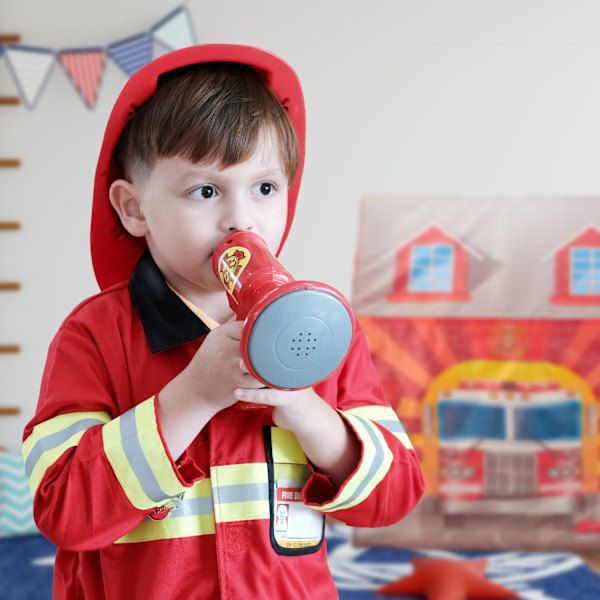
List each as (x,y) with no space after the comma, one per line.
(167,321)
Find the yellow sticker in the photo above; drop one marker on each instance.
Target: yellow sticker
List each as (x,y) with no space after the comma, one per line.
(231,265)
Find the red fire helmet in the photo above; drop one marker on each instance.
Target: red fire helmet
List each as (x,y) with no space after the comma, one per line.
(114,251)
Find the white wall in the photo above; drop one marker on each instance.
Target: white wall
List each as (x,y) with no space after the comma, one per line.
(424,96)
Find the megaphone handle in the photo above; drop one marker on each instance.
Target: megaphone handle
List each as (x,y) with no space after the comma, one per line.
(235,307)
(249,405)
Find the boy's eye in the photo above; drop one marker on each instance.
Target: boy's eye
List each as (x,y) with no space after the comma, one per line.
(204,191)
(265,189)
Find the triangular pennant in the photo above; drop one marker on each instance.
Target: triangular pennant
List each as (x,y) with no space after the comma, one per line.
(131,54)
(175,30)
(85,67)
(30,68)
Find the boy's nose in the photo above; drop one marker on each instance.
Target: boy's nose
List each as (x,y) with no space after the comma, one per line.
(237,217)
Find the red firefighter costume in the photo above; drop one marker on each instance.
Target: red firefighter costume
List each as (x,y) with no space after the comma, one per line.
(130,522)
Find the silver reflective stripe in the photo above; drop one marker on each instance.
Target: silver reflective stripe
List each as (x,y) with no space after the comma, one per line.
(391,425)
(188,507)
(137,458)
(375,463)
(56,439)
(244,492)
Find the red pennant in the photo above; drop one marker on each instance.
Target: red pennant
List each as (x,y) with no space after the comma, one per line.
(84,68)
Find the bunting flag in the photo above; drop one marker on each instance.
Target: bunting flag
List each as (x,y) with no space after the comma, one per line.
(132,54)
(84,68)
(175,30)
(31,67)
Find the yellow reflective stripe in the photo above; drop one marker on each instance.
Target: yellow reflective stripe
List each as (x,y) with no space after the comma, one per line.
(240,492)
(387,418)
(375,463)
(154,449)
(242,511)
(192,516)
(138,457)
(201,489)
(288,471)
(170,528)
(239,474)
(285,446)
(49,440)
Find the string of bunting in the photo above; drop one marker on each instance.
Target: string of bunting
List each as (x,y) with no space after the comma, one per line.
(31,67)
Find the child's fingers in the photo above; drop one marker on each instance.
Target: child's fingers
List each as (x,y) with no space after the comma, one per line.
(265,396)
(232,329)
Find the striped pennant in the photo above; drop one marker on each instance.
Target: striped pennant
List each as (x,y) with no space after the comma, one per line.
(84,67)
(175,30)
(16,501)
(30,68)
(131,54)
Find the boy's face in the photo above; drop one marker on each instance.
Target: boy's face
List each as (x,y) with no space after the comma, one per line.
(185,209)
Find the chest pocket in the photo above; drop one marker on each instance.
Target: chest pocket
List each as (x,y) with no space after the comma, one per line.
(295,528)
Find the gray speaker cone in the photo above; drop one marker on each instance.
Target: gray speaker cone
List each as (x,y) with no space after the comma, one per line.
(300,338)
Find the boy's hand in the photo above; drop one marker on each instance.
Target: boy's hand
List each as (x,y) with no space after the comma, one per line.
(216,369)
(217,378)
(326,439)
(206,386)
(292,409)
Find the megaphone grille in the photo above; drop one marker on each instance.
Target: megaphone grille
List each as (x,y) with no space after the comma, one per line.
(308,339)
(300,338)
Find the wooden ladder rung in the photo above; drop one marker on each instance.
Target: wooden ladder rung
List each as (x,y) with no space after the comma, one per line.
(9,225)
(10,163)
(9,348)
(9,286)
(9,38)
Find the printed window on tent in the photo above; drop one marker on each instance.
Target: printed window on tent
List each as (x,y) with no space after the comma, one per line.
(431,268)
(549,423)
(585,271)
(460,420)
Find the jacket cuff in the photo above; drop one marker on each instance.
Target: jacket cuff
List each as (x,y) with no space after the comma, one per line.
(374,464)
(135,449)
(186,469)
(318,490)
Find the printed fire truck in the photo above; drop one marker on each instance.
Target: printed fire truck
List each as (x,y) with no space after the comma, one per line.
(508,446)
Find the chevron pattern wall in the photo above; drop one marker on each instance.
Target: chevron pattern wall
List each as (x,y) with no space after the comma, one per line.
(16,502)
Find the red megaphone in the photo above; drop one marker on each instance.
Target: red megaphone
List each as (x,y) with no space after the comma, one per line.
(296,333)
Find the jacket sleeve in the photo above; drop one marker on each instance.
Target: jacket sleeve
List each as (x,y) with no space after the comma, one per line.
(94,473)
(388,482)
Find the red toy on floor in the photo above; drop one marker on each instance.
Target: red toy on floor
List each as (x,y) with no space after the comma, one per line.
(448,579)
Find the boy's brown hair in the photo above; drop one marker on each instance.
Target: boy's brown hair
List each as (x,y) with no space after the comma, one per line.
(213,112)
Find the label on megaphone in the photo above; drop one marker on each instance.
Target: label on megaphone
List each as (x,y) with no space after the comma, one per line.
(296,333)
(231,265)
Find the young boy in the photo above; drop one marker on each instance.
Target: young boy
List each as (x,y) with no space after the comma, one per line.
(147,474)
